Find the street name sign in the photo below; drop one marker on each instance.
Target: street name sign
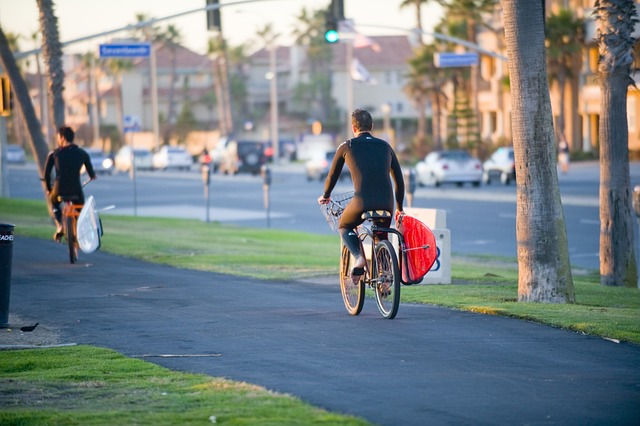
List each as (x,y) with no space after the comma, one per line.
(125,50)
(448,60)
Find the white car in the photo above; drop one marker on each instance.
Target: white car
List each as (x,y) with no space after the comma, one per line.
(143,161)
(501,165)
(101,162)
(172,157)
(454,166)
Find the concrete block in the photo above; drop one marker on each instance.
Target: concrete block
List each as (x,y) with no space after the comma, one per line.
(433,218)
(440,272)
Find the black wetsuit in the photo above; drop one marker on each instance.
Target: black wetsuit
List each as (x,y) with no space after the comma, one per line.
(67,161)
(371,162)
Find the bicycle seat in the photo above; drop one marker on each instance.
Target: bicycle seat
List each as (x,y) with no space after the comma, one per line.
(71,198)
(375,214)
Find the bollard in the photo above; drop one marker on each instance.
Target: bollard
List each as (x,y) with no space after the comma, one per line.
(266,185)
(205,169)
(410,185)
(6,254)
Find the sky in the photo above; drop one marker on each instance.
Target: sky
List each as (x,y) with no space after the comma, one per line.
(240,20)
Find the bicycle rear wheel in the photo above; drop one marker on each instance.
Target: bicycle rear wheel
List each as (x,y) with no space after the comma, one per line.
(352,295)
(71,239)
(386,279)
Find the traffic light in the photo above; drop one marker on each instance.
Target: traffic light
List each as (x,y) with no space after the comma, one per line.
(331,29)
(214,23)
(333,16)
(5,97)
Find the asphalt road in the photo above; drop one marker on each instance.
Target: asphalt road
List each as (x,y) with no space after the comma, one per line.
(481,220)
(428,366)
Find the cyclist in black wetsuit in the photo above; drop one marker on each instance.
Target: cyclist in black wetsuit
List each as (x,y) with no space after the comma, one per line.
(67,160)
(371,162)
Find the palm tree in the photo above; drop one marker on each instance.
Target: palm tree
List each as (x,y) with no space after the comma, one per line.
(216,50)
(544,270)
(616,20)
(471,13)
(88,61)
(425,83)
(117,67)
(172,38)
(52,53)
(308,32)
(418,7)
(22,99)
(563,40)
(44,104)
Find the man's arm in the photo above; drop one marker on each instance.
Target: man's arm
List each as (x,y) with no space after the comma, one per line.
(396,172)
(334,170)
(89,166)
(48,166)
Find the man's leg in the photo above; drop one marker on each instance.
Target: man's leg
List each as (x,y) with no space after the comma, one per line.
(57,213)
(352,242)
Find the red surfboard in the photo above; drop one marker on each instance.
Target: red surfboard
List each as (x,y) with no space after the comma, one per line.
(420,248)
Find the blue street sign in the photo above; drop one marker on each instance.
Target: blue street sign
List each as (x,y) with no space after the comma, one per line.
(128,50)
(131,123)
(445,60)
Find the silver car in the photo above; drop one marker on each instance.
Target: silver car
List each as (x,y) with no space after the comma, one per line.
(454,166)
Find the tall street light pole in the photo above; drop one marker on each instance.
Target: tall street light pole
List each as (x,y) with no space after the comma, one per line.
(275,139)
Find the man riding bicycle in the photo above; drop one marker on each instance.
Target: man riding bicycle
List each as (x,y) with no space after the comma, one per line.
(371,161)
(67,160)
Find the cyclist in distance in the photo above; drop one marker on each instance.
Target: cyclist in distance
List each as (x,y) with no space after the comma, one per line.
(372,163)
(67,160)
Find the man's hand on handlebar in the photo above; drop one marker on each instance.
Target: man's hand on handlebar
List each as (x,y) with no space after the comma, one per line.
(322,200)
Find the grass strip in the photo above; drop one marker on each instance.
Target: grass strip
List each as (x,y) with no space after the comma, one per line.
(87,386)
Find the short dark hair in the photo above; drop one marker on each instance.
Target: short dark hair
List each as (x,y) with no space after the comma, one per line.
(67,133)
(361,120)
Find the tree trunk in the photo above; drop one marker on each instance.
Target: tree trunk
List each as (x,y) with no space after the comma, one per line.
(543,256)
(52,53)
(37,143)
(617,258)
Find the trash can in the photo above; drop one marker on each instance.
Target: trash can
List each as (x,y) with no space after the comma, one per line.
(6,254)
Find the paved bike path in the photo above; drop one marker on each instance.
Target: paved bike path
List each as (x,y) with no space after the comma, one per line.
(430,365)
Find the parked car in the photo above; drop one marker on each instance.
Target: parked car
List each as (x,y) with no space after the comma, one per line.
(454,166)
(318,167)
(15,154)
(142,156)
(501,165)
(102,163)
(239,156)
(172,157)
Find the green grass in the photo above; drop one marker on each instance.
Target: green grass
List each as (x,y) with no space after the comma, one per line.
(37,386)
(86,386)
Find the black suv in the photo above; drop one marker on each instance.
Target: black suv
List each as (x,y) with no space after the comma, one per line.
(241,156)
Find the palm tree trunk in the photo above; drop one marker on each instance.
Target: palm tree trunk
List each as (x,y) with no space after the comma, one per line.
(52,52)
(543,256)
(617,257)
(37,143)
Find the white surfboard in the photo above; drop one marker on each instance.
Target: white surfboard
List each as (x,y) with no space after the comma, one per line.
(89,227)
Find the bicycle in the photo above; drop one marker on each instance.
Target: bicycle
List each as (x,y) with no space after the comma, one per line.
(383,275)
(70,213)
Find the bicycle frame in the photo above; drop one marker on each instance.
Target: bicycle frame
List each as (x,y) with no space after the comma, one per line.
(370,232)
(70,213)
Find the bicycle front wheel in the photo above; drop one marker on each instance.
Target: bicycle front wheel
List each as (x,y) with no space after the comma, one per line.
(352,295)
(71,239)
(386,279)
